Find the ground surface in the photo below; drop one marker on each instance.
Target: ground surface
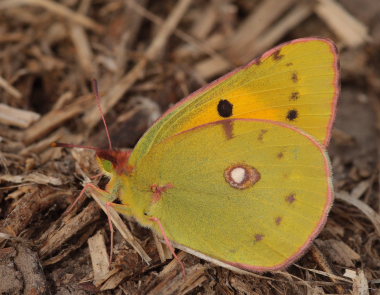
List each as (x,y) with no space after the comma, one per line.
(50,50)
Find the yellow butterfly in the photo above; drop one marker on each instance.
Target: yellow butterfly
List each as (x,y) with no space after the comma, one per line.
(237,173)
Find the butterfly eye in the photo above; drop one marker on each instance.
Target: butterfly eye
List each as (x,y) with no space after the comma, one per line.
(107,165)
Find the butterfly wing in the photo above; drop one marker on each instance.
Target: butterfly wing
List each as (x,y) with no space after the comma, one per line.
(296,83)
(251,193)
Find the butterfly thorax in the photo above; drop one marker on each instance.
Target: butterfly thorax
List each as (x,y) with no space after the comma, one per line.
(122,185)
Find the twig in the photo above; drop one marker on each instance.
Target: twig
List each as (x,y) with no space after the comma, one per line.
(116,92)
(352,32)
(17,117)
(57,9)
(9,88)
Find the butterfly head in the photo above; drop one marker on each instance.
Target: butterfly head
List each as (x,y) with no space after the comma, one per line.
(114,162)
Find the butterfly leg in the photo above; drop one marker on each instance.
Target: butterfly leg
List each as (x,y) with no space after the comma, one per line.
(81,195)
(97,176)
(107,198)
(169,244)
(121,208)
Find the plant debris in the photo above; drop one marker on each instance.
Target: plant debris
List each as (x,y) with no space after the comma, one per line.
(146,55)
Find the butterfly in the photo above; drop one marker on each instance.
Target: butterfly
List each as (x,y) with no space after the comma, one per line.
(237,173)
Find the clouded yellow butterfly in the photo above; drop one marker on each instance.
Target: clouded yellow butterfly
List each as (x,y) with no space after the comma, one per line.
(237,173)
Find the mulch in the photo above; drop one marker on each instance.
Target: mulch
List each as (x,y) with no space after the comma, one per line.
(147,55)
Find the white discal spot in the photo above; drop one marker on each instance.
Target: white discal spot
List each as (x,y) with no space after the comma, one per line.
(241,176)
(238,174)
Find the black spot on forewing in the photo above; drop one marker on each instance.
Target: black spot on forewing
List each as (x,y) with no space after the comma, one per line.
(225,108)
(292,115)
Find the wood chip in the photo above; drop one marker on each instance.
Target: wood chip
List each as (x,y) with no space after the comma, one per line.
(34,199)
(360,286)
(34,177)
(349,273)
(258,22)
(16,117)
(160,248)
(117,91)
(115,280)
(99,257)
(56,118)
(262,36)
(58,9)
(44,144)
(204,47)
(276,32)
(339,252)
(84,52)
(23,272)
(85,56)
(68,229)
(351,31)
(363,207)
(123,229)
(171,281)
(9,88)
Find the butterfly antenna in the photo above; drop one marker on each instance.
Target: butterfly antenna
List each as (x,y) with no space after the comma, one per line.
(97,96)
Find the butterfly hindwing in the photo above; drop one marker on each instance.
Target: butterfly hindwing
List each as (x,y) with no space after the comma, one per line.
(252,193)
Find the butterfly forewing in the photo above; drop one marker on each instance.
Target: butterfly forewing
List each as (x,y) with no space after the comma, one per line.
(295,83)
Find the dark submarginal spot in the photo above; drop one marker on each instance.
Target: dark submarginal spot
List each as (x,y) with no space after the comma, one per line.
(259,237)
(258,60)
(295,77)
(261,134)
(278,220)
(290,198)
(295,95)
(276,55)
